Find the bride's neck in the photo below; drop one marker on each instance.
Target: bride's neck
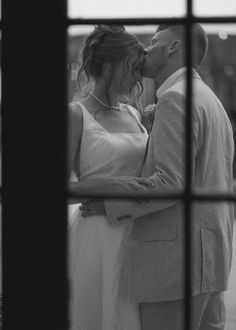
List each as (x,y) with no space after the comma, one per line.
(100,92)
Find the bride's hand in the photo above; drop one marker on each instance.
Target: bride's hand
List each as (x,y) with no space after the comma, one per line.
(93,207)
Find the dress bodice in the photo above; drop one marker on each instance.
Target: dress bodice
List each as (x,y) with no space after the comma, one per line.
(104,154)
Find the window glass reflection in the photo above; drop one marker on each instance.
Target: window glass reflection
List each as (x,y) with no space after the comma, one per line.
(219,68)
(214,8)
(124,8)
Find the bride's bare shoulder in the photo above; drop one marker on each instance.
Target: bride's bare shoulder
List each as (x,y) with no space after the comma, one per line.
(75,111)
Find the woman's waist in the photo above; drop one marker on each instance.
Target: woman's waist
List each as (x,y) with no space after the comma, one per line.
(101,226)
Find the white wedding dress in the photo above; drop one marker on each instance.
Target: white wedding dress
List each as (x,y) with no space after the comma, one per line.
(97,248)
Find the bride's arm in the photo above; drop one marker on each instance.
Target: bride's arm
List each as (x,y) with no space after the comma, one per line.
(75,128)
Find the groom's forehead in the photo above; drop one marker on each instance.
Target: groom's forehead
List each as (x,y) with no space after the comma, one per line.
(159,35)
(163,35)
(155,37)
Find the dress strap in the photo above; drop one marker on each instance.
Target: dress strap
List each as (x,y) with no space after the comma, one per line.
(85,119)
(134,113)
(89,119)
(81,106)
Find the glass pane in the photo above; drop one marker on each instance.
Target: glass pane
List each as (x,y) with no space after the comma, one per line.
(219,67)
(218,71)
(124,8)
(230,299)
(76,37)
(214,8)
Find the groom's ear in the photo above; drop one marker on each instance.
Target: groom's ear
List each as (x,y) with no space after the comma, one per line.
(174,47)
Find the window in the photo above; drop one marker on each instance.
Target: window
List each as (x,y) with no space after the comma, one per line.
(34,111)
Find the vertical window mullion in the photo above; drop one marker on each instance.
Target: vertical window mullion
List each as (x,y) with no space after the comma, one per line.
(188,167)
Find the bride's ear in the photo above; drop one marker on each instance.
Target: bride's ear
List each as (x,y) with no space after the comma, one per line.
(174,47)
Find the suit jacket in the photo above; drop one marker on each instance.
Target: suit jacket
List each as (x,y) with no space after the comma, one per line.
(157,257)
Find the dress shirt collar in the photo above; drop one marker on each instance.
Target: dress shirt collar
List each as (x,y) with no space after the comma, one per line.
(172,79)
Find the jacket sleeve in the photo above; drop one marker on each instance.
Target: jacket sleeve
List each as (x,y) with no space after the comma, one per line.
(167,144)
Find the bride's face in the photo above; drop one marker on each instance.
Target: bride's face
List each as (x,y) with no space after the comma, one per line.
(128,72)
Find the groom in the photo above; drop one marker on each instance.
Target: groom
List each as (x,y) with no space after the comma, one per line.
(158,257)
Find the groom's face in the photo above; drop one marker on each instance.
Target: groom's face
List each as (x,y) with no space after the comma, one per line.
(156,58)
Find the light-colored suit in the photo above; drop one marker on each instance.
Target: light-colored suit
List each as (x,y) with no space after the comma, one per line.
(157,258)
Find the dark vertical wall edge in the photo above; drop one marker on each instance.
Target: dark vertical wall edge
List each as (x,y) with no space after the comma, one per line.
(35,288)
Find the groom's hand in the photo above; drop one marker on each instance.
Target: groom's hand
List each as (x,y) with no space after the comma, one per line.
(130,183)
(94,207)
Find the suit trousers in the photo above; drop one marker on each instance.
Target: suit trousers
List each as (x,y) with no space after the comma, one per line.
(208,313)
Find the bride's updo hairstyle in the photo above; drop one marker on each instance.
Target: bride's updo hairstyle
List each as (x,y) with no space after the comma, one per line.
(108,44)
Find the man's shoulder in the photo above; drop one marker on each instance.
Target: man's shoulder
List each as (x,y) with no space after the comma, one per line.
(178,90)
(200,90)
(179,87)
(175,93)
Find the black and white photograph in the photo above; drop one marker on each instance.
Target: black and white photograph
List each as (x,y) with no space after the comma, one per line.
(118,168)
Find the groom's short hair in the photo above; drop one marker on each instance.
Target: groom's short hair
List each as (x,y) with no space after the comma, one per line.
(199,37)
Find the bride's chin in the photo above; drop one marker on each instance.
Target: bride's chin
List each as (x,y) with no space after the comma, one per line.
(145,73)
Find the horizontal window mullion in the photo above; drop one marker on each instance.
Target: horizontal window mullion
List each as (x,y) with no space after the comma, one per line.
(125,195)
(222,19)
(147,21)
(152,195)
(124,21)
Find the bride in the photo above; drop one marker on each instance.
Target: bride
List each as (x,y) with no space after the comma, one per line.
(106,139)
